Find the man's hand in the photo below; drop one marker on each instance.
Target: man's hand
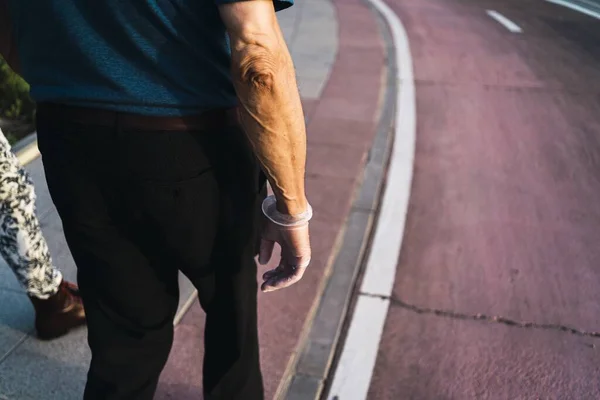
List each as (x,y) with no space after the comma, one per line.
(292,235)
(295,255)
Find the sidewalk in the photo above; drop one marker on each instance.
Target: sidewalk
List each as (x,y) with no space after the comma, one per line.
(340,60)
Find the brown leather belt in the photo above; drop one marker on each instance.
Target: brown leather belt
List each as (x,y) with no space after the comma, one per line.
(211,119)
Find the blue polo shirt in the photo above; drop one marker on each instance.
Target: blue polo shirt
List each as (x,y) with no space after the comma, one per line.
(154,57)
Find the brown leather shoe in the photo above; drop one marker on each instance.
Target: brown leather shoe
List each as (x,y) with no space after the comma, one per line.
(58,314)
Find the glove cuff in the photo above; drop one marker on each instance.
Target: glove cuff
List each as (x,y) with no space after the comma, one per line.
(269,209)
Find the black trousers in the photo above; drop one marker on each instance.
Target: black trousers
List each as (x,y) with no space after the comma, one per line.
(139,206)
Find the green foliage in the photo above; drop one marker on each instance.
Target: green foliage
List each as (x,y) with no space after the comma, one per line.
(17,110)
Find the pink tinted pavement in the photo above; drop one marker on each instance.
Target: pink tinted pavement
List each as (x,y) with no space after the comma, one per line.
(340,126)
(504,214)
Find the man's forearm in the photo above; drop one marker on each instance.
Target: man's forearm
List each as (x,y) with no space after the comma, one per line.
(271,112)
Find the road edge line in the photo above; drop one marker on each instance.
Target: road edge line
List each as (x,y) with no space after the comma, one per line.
(354,371)
(576,7)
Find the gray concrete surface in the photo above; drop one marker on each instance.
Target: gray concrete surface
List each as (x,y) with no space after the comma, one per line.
(311,32)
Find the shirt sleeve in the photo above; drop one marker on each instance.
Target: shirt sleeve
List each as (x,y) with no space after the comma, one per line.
(279,4)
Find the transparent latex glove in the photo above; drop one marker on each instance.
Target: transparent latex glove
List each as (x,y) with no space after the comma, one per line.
(292,234)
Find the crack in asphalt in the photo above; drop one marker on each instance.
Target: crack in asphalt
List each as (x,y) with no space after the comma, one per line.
(498,319)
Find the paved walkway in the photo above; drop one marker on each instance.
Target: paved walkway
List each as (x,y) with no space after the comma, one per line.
(340,62)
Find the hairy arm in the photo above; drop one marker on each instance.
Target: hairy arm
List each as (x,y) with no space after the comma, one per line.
(271,111)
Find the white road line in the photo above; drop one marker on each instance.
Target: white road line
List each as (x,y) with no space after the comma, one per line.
(353,375)
(355,368)
(576,7)
(507,23)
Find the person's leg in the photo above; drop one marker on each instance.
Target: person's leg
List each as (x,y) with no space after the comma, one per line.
(229,295)
(231,352)
(23,247)
(137,206)
(130,294)
(202,192)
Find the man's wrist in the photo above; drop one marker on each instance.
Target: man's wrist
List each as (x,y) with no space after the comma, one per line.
(292,208)
(272,212)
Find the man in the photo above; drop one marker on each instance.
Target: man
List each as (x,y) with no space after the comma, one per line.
(57,304)
(140,104)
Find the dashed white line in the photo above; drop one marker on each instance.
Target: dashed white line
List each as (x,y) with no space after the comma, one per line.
(576,7)
(355,368)
(502,20)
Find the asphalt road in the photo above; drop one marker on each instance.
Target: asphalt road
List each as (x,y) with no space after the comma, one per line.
(504,218)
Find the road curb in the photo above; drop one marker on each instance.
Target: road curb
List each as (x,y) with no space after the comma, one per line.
(317,350)
(26,149)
